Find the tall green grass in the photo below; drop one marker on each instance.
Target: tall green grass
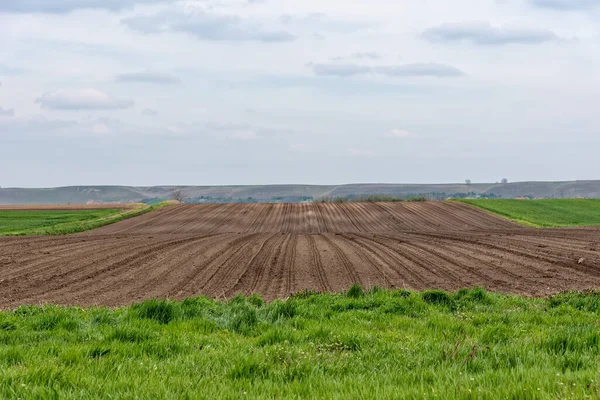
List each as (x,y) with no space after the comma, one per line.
(361,344)
(545,213)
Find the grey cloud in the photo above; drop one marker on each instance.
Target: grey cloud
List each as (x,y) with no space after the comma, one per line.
(566,5)
(39,125)
(360,56)
(35,125)
(319,21)
(149,112)
(421,69)
(342,70)
(85,49)
(81,99)
(205,26)
(7,113)
(147,77)
(66,6)
(361,153)
(488,35)
(8,70)
(407,70)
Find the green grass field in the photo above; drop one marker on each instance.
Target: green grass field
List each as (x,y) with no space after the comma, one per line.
(63,222)
(382,344)
(15,221)
(545,213)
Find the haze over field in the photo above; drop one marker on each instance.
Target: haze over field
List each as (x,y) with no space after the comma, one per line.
(295,193)
(149,92)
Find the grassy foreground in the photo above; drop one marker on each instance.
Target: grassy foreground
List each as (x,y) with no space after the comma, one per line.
(380,344)
(545,213)
(64,222)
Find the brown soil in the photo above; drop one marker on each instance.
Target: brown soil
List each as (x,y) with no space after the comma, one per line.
(279,249)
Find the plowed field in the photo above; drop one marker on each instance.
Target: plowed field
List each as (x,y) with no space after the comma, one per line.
(279,249)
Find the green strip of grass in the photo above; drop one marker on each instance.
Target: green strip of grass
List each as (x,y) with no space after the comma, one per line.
(24,220)
(380,344)
(60,222)
(545,213)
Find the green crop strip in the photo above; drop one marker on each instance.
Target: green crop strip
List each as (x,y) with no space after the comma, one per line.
(544,213)
(64,222)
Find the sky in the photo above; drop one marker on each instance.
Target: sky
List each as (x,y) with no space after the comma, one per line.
(218,92)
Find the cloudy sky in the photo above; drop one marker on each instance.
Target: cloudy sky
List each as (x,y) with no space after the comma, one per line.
(144,92)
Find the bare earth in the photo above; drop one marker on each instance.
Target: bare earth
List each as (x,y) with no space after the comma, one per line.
(278,249)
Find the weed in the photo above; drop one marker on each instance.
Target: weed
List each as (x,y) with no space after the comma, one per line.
(438,297)
(8,326)
(11,356)
(355,292)
(129,335)
(304,294)
(162,311)
(98,352)
(249,369)
(283,310)
(256,301)
(473,296)
(242,319)
(275,336)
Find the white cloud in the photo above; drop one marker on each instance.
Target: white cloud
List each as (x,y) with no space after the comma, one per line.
(244,135)
(205,26)
(399,133)
(65,6)
(488,35)
(81,99)
(37,124)
(299,147)
(342,70)
(361,153)
(148,112)
(40,126)
(147,77)
(566,5)
(369,55)
(7,112)
(323,22)
(408,70)
(421,69)
(101,129)
(9,70)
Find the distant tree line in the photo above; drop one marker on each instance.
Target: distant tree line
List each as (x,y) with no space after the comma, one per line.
(247,200)
(351,198)
(372,199)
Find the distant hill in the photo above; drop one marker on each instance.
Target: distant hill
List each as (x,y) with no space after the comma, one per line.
(293,193)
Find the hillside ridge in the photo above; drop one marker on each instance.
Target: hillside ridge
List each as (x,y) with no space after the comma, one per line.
(293,193)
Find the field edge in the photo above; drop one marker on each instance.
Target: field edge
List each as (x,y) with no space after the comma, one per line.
(78,227)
